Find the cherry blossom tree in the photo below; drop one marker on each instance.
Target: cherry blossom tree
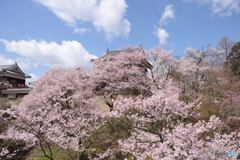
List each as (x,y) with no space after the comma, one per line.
(162,128)
(121,72)
(190,71)
(57,111)
(234,58)
(61,110)
(225,45)
(185,141)
(194,69)
(164,65)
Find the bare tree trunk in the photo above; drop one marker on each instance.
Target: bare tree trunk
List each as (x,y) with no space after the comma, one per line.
(108,101)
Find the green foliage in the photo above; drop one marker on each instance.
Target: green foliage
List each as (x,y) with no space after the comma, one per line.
(207,109)
(185,98)
(58,154)
(4,103)
(233,123)
(231,111)
(119,156)
(234,59)
(2,126)
(108,134)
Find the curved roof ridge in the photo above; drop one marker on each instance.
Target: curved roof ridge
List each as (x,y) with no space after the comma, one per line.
(13,68)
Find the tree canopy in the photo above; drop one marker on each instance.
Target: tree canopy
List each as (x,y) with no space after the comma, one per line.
(62,109)
(234,58)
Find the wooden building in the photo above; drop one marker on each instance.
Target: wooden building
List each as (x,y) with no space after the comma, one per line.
(13,81)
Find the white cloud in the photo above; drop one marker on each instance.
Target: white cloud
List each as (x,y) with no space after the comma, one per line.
(107,16)
(80,31)
(65,54)
(162,35)
(32,79)
(24,63)
(5,61)
(168,14)
(221,7)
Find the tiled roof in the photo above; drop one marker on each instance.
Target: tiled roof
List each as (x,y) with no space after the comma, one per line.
(12,68)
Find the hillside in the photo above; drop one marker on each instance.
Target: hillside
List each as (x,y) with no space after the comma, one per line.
(126,108)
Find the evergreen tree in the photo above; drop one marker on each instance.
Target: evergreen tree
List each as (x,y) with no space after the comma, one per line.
(234,58)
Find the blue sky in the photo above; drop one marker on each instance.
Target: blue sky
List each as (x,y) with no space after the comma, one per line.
(39,34)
